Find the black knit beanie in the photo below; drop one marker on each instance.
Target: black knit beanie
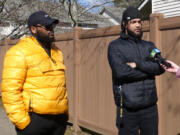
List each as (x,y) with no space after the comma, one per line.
(129,14)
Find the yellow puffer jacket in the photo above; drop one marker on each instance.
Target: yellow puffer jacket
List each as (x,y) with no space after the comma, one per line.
(32,81)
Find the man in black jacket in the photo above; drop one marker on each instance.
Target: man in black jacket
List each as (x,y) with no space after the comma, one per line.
(133,73)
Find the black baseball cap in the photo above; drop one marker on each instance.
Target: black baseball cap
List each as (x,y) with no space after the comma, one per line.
(42,18)
(130,13)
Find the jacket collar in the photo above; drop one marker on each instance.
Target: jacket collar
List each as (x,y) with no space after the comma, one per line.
(35,40)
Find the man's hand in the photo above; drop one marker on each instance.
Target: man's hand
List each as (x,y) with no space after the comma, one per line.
(173,69)
(131,64)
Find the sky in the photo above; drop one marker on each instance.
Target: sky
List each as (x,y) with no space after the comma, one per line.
(92,1)
(88,3)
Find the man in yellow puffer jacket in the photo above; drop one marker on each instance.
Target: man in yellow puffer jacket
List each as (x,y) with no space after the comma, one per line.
(33,81)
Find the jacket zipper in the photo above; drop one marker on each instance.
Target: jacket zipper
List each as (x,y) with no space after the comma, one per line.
(49,54)
(30,108)
(121,105)
(53,60)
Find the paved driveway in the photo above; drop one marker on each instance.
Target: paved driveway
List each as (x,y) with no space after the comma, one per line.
(6,127)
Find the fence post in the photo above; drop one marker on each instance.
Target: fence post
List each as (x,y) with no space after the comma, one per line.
(155,37)
(6,44)
(155,34)
(3,52)
(77,57)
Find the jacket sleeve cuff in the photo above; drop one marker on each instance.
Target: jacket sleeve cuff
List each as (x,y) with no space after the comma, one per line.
(178,73)
(138,64)
(23,124)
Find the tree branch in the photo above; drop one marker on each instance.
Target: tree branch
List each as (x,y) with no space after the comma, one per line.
(2,5)
(71,14)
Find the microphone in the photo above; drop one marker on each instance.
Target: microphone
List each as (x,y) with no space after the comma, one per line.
(156,54)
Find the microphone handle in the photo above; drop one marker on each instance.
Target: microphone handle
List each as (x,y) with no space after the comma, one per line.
(163,62)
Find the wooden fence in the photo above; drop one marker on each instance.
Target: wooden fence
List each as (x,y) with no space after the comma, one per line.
(89,80)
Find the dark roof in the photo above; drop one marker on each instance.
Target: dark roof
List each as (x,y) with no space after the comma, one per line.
(146,10)
(104,10)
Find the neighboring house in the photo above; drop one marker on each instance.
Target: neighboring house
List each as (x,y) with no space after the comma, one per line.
(86,20)
(5,29)
(110,16)
(114,14)
(62,27)
(10,28)
(169,8)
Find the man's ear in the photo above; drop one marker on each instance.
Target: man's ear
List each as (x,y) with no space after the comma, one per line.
(33,29)
(125,25)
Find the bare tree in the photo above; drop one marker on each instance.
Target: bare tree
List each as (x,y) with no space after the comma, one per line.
(77,11)
(2,3)
(12,14)
(15,13)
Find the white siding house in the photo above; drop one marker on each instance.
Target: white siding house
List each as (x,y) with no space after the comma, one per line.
(169,8)
(5,30)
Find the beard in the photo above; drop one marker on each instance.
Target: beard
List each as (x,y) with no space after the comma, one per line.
(45,40)
(132,34)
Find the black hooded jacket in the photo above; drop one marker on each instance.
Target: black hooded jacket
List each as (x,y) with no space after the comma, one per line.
(136,85)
